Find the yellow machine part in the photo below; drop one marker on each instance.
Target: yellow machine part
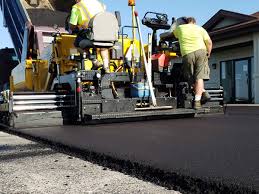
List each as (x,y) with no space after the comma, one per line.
(127,42)
(63,48)
(36,75)
(88,64)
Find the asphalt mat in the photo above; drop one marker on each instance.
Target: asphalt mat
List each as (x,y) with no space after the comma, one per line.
(210,148)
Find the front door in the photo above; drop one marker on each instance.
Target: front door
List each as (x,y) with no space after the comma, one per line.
(241,80)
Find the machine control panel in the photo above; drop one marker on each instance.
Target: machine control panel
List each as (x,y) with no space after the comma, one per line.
(156,21)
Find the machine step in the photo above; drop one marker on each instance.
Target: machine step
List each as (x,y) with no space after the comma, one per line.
(154,108)
(141,114)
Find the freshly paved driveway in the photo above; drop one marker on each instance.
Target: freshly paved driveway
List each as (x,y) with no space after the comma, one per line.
(215,147)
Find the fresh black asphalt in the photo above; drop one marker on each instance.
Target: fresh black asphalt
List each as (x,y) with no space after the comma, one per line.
(222,147)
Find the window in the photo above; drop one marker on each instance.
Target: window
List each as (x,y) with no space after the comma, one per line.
(237,80)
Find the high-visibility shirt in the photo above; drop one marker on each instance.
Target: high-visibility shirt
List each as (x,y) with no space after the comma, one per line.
(191,38)
(83,11)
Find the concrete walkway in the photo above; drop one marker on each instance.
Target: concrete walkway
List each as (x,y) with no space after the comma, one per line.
(29,167)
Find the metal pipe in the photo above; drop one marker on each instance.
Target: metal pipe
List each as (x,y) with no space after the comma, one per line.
(215,91)
(38,102)
(149,76)
(123,56)
(26,107)
(133,60)
(216,99)
(37,97)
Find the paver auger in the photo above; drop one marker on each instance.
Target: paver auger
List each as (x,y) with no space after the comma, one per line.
(53,75)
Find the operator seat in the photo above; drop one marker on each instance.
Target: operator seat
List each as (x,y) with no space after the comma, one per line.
(102,31)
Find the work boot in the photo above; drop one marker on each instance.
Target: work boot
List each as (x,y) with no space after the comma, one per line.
(96,64)
(205,97)
(197,105)
(106,70)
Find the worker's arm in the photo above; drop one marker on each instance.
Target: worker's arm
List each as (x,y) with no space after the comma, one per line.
(208,44)
(170,32)
(74,19)
(207,40)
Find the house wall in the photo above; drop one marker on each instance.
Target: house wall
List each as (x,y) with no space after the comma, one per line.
(219,53)
(232,41)
(224,55)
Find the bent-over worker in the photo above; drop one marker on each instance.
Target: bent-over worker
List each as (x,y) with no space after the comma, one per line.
(195,46)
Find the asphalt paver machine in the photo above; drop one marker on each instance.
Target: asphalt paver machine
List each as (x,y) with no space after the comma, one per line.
(52,75)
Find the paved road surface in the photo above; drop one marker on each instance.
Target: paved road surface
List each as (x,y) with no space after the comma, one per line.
(219,148)
(29,167)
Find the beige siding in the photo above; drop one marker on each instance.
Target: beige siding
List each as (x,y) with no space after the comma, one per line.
(233,41)
(227,54)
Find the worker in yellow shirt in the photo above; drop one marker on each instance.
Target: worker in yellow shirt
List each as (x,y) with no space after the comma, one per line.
(81,14)
(195,46)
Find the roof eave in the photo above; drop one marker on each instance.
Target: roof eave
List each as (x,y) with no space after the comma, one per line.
(224,13)
(235,31)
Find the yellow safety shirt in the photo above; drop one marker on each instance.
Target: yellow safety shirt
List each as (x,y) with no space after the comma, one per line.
(191,38)
(83,11)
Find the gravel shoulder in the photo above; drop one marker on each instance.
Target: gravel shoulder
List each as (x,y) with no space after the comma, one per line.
(29,167)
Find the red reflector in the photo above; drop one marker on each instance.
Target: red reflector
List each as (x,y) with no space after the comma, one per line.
(78,90)
(161,59)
